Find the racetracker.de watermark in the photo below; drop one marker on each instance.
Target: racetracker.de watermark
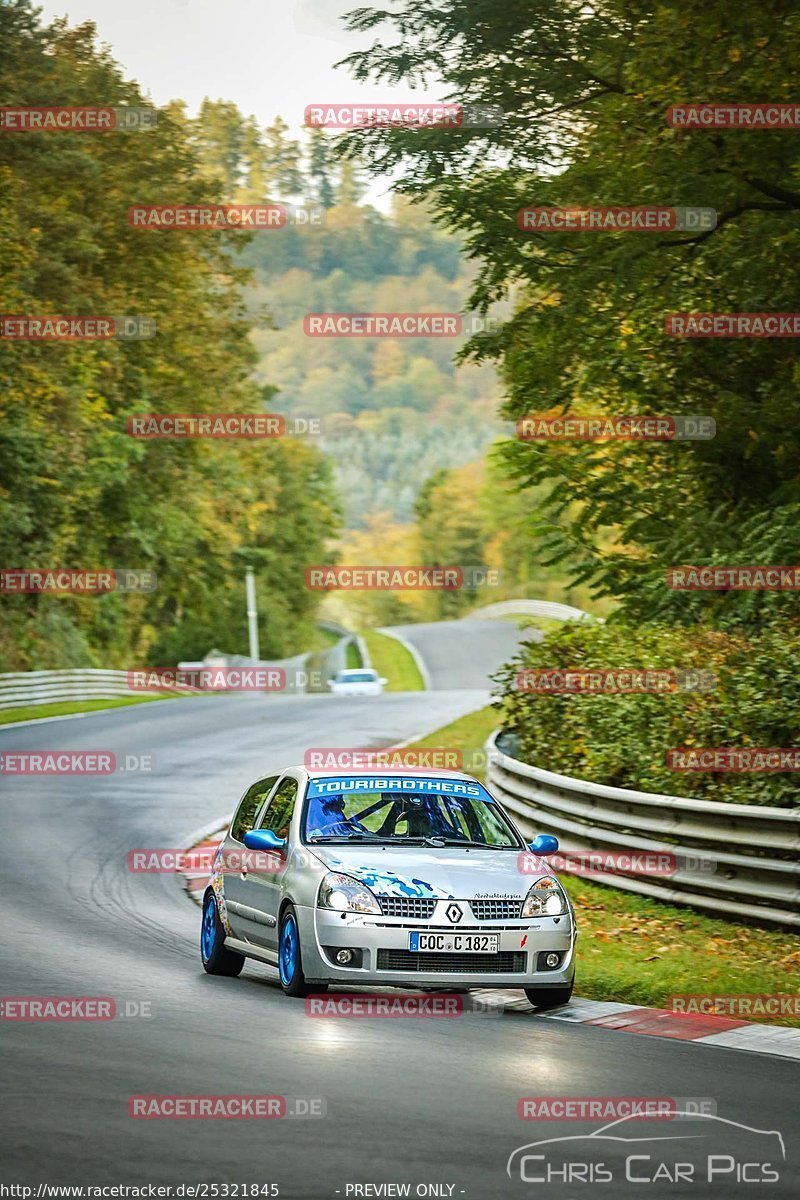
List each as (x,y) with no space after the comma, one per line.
(610,1108)
(174,426)
(70,1008)
(741,760)
(661,864)
(356,578)
(384,1005)
(618,219)
(616,680)
(29,581)
(733,325)
(204,1108)
(204,218)
(58,328)
(744,1005)
(430,115)
(76,120)
(396,324)
(569,427)
(71,762)
(201,860)
(419,758)
(734,579)
(236,1107)
(733,116)
(207,679)
(349,758)
(600,862)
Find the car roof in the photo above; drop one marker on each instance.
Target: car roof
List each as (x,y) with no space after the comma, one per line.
(357,671)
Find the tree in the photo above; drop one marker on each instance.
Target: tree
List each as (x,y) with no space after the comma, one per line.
(585,90)
(221,136)
(256,163)
(284,161)
(320,169)
(350,188)
(77,490)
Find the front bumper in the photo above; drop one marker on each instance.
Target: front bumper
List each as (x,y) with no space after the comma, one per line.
(385,957)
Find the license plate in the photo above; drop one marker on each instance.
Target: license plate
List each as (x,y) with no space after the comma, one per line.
(455,943)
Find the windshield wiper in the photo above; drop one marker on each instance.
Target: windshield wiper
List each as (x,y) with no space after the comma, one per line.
(399,840)
(435,840)
(347,837)
(384,838)
(485,845)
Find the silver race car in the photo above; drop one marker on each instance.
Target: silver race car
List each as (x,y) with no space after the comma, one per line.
(403,878)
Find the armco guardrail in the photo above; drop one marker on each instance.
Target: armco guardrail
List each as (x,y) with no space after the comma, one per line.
(324,664)
(732,859)
(534,608)
(19,689)
(24,688)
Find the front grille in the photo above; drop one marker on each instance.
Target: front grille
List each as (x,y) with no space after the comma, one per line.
(507,962)
(449,928)
(403,906)
(495,910)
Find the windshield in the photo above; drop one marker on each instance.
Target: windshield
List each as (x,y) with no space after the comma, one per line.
(356,677)
(410,811)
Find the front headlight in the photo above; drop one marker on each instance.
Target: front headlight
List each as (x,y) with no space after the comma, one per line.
(346,894)
(545,899)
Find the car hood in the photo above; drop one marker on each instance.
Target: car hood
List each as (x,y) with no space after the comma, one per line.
(446,873)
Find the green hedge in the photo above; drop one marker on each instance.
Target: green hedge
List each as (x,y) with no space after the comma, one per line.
(622,739)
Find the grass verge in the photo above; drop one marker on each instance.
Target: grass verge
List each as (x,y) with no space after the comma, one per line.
(467,735)
(391,660)
(322,639)
(640,951)
(352,657)
(68,707)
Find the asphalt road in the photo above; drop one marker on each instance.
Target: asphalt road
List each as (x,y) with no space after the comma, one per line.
(463,654)
(418,1102)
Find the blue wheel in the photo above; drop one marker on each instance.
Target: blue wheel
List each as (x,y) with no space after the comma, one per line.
(208,930)
(217,958)
(290,958)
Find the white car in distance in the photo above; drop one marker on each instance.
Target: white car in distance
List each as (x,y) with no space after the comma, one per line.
(361,681)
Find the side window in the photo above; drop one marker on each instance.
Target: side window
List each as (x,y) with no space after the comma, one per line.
(279,813)
(254,797)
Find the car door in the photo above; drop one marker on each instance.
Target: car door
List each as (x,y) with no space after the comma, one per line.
(235,878)
(263,888)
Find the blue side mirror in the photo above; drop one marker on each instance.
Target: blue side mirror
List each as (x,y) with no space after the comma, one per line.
(263,839)
(545,843)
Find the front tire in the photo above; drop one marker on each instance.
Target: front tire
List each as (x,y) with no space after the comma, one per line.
(217,959)
(549,997)
(290,959)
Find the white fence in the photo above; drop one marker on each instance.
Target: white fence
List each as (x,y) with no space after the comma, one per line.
(52,687)
(23,688)
(534,608)
(733,859)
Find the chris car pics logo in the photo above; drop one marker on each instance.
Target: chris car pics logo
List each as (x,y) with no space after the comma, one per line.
(697,1149)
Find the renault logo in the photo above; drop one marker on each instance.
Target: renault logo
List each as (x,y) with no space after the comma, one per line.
(454,913)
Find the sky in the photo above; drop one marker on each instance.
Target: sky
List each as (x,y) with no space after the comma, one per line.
(271,57)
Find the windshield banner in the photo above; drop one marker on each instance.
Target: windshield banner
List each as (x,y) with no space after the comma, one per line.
(390,783)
